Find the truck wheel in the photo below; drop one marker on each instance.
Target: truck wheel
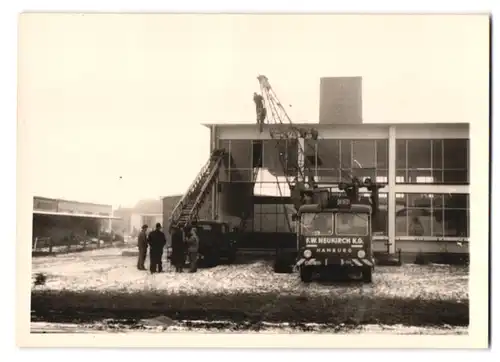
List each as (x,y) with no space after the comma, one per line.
(367,275)
(306,274)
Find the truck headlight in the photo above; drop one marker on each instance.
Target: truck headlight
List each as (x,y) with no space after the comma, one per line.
(361,254)
(307,253)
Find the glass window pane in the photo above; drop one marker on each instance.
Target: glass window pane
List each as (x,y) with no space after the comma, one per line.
(241,175)
(437,220)
(419,200)
(437,201)
(382,176)
(455,222)
(271,151)
(282,225)
(382,154)
(268,222)
(401,154)
(437,154)
(419,154)
(401,225)
(380,224)
(420,176)
(401,176)
(329,154)
(256,223)
(419,222)
(455,201)
(345,153)
(455,176)
(437,175)
(241,154)
(363,154)
(455,153)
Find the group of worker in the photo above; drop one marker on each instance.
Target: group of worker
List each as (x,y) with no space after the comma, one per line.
(183,242)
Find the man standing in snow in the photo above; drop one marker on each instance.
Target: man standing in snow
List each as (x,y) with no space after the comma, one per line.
(193,243)
(178,250)
(156,241)
(142,244)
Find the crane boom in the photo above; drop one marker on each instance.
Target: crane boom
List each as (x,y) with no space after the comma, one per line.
(282,129)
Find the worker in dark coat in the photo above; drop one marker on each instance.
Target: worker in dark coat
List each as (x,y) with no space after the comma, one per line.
(193,244)
(142,244)
(156,241)
(259,108)
(178,249)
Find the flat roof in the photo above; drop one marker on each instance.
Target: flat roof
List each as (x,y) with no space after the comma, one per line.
(72,201)
(371,124)
(88,216)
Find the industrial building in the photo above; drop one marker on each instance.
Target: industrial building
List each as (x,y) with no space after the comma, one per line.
(61,220)
(425,169)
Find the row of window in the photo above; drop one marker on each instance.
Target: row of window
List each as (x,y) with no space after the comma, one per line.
(435,161)
(433,215)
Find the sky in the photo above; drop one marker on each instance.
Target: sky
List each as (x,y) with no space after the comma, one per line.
(110,106)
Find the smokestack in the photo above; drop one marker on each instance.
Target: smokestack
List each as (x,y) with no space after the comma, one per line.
(340,100)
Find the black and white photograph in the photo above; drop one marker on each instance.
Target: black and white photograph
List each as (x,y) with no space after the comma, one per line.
(256,174)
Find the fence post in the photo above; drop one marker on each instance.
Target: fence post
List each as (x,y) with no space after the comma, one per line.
(35,242)
(50,244)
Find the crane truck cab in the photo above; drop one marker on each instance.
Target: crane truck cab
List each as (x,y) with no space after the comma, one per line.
(334,233)
(336,238)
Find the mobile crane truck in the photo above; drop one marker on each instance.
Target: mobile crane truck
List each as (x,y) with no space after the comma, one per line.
(334,233)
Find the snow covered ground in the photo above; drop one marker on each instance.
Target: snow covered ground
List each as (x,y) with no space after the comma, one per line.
(108,270)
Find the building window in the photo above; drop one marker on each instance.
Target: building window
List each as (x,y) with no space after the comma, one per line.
(244,157)
(432,215)
(432,161)
(272,218)
(337,160)
(280,155)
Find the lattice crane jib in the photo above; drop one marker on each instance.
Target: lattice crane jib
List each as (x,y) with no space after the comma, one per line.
(281,128)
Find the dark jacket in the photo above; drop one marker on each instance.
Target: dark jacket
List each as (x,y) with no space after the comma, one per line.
(178,244)
(142,240)
(157,240)
(193,243)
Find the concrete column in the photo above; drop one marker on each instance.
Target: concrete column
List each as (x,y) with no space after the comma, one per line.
(391,196)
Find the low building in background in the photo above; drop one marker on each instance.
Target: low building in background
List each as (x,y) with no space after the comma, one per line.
(145,212)
(66,222)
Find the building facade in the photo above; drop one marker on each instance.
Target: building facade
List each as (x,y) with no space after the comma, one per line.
(425,169)
(145,212)
(59,219)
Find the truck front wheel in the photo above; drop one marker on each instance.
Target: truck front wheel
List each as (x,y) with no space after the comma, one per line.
(367,275)
(306,274)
